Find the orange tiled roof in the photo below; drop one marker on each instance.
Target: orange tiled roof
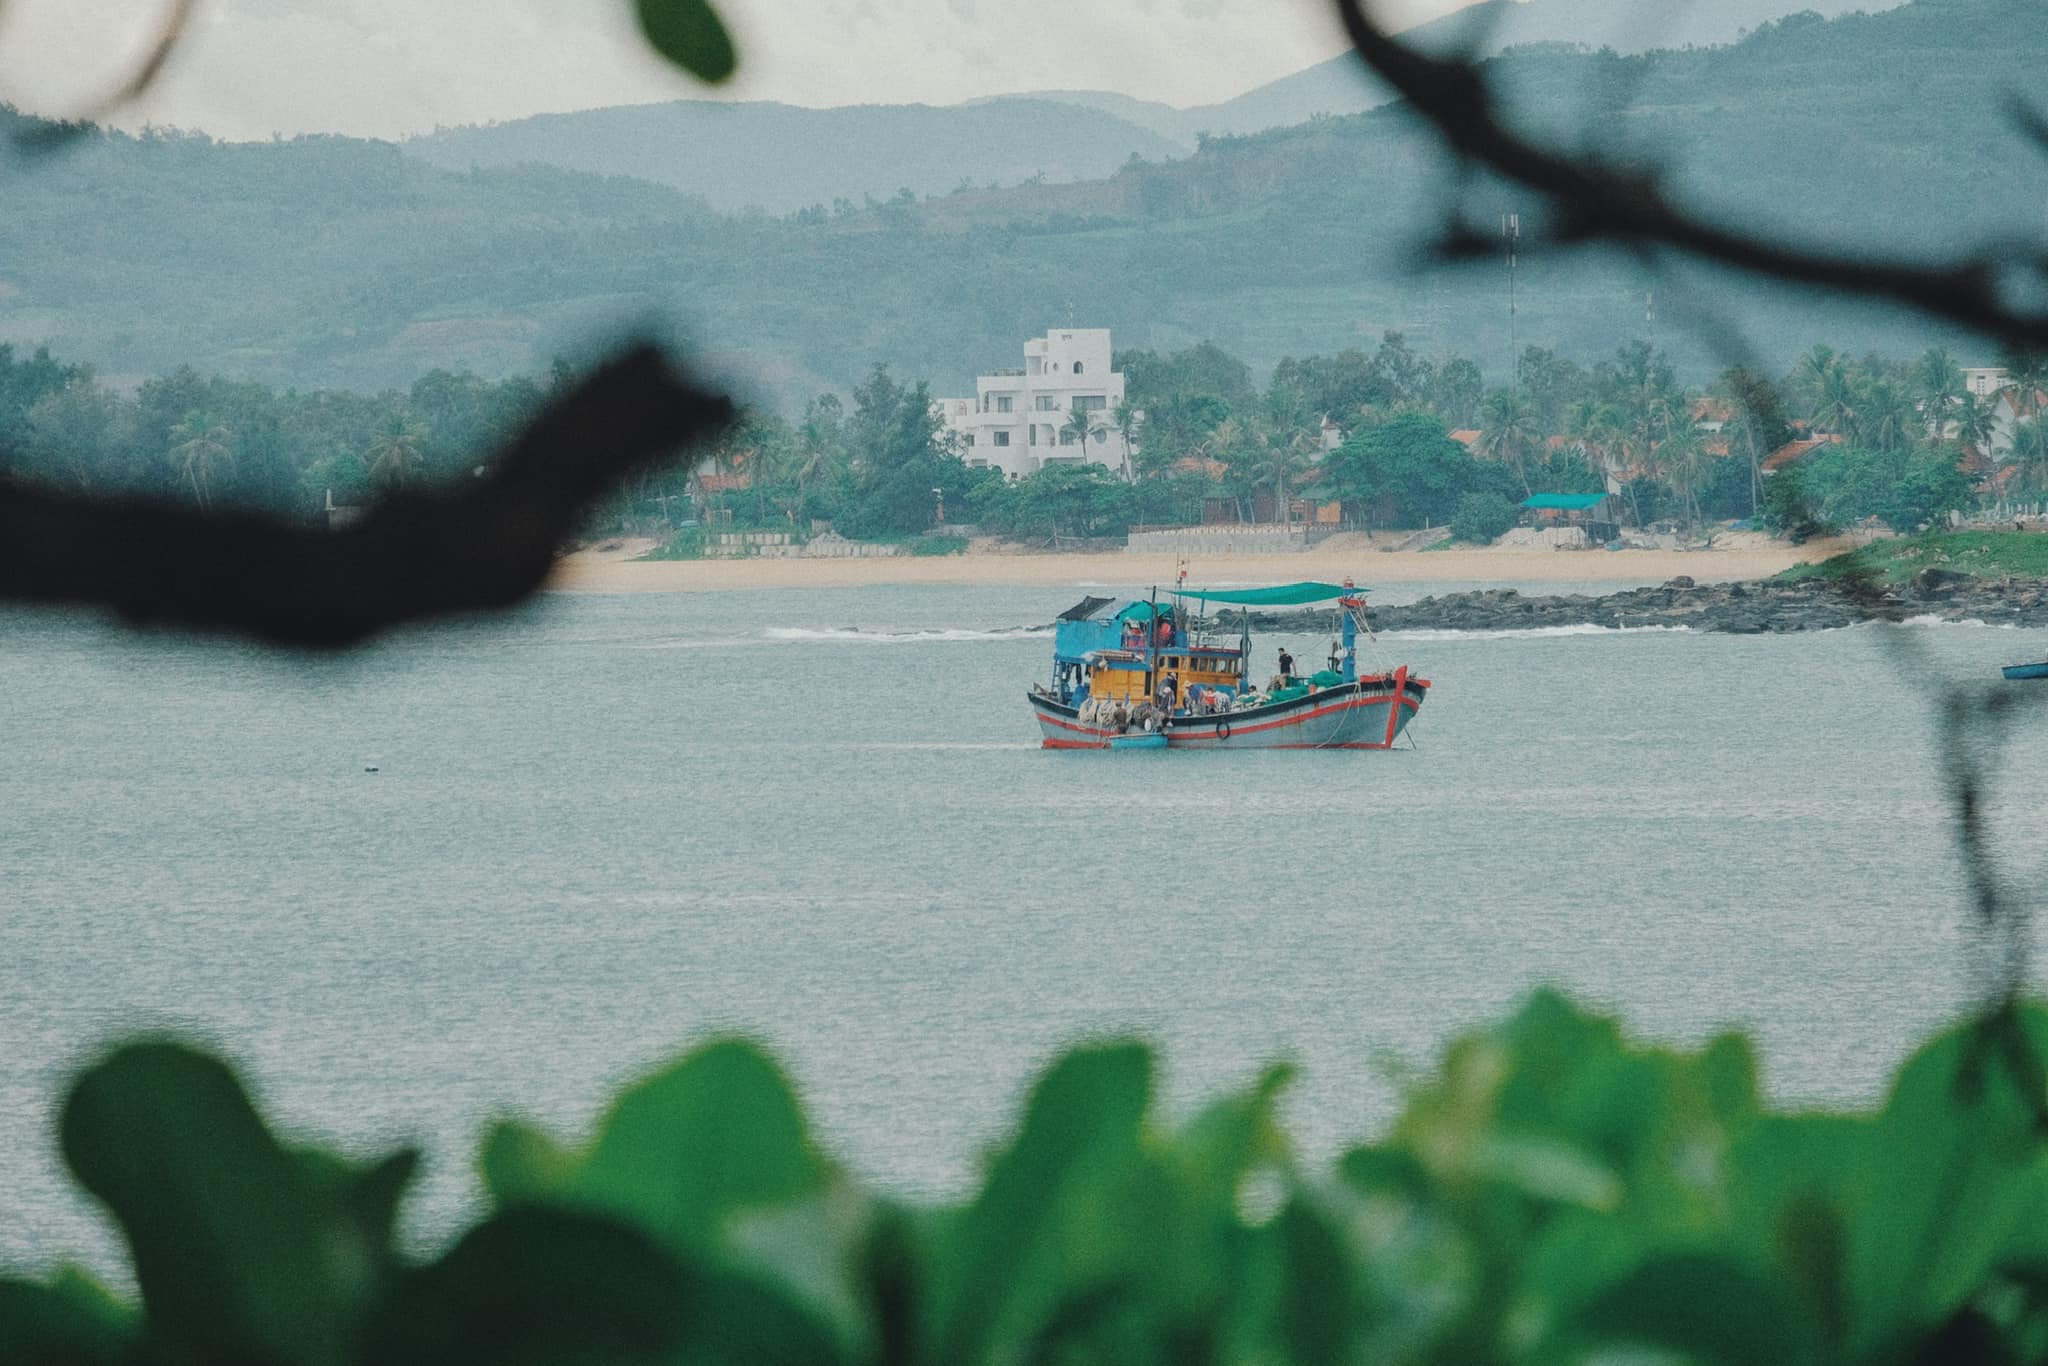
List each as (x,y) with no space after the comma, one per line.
(1468,437)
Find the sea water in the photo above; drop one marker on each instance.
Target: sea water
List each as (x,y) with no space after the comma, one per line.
(503,866)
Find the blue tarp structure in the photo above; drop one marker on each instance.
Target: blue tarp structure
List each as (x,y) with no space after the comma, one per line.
(1286,595)
(1563,502)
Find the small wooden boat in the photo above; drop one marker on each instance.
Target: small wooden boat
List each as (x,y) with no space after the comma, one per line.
(1139,674)
(2016,672)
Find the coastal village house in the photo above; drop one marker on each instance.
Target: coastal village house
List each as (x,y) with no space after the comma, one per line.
(1019,421)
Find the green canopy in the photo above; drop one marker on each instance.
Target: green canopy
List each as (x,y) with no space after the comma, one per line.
(1564,502)
(1286,595)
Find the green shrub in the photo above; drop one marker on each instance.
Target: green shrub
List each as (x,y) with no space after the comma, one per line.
(687,544)
(1555,1193)
(1482,518)
(937,543)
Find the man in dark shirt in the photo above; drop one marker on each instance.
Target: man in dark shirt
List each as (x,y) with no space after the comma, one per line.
(1286,664)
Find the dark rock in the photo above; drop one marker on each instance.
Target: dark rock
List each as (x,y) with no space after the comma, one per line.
(1934,582)
(1682,581)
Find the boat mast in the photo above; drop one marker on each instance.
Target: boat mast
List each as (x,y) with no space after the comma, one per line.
(1152,648)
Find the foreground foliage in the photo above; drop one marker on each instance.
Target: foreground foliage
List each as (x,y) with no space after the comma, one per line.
(1553,1192)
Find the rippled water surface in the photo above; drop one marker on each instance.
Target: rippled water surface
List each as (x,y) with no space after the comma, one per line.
(614,824)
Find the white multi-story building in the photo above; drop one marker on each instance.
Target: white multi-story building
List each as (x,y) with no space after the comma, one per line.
(1020,421)
(1984,380)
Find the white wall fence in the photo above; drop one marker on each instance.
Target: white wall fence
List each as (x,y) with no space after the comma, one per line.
(1219,540)
(827,547)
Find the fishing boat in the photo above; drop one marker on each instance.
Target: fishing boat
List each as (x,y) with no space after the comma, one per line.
(1124,669)
(2016,672)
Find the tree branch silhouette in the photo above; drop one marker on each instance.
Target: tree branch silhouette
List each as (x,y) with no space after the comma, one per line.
(413,556)
(168,35)
(1597,199)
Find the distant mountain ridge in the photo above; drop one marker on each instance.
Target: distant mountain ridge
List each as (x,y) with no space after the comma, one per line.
(782,158)
(1343,85)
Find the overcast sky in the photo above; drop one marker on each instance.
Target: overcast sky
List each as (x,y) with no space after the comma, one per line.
(386,68)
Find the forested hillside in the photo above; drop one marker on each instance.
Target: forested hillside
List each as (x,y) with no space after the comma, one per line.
(781,158)
(335,261)
(1343,85)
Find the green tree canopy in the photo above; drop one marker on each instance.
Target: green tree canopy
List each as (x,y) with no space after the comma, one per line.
(1407,472)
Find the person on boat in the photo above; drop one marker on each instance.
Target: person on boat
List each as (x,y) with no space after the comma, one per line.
(1162,635)
(1286,666)
(1169,691)
(1134,635)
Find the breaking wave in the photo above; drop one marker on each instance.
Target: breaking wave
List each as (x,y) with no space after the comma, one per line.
(1934,619)
(1533,632)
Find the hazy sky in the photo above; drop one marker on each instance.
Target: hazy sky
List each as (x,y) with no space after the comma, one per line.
(390,67)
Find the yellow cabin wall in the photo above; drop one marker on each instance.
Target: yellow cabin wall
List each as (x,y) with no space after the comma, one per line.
(1132,685)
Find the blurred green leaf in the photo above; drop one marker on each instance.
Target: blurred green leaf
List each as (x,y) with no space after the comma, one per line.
(71,1321)
(242,1250)
(1708,1308)
(1231,1137)
(539,1287)
(519,1163)
(1956,1153)
(1000,1265)
(711,1158)
(1796,1181)
(369,1196)
(690,34)
(1547,1169)
(810,1249)
(1320,1302)
(718,1132)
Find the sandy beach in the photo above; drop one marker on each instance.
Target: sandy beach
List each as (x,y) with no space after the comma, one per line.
(614,570)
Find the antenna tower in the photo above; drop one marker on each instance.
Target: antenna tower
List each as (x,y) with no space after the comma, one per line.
(1511,234)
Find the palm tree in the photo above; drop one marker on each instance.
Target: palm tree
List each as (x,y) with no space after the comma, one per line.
(1237,446)
(1889,418)
(1083,425)
(1509,428)
(394,460)
(2030,449)
(1815,367)
(1939,386)
(2027,368)
(1283,461)
(204,449)
(1975,421)
(1836,401)
(1681,463)
(1597,429)
(1127,420)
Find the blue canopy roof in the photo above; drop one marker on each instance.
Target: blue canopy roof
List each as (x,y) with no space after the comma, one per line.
(1563,502)
(1286,595)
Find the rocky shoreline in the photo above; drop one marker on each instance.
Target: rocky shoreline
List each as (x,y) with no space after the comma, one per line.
(1760,608)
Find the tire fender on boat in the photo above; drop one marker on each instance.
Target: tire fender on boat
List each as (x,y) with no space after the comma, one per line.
(1222,730)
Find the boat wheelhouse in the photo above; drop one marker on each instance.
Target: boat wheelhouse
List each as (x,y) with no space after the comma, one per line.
(1140,667)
